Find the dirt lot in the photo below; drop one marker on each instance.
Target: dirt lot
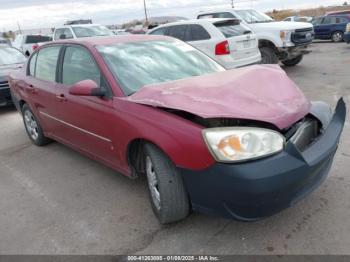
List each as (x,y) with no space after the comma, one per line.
(55,201)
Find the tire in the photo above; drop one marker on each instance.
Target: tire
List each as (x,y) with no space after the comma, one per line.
(33,128)
(268,56)
(170,202)
(338,37)
(294,61)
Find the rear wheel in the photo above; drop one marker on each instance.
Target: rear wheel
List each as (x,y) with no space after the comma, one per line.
(33,128)
(268,55)
(167,191)
(337,36)
(294,61)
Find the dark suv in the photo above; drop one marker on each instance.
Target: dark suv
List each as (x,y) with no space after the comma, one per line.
(331,27)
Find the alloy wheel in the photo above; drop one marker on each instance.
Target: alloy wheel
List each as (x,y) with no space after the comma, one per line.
(153,182)
(31,125)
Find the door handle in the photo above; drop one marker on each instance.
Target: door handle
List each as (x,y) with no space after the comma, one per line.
(61,98)
(32,89)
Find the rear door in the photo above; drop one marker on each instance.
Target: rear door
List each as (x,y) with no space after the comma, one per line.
(199,37)
(84,122)
(40,85)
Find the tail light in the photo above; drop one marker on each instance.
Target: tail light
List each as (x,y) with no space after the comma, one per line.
(222,48)
(35,47)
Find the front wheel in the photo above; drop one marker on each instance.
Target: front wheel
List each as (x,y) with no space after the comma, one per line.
(294,61)
(268,56)
(33,128)
(169,199)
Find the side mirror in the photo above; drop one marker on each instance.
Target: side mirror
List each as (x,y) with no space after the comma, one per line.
(86,88)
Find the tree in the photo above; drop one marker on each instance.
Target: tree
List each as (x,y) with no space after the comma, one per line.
(345,3)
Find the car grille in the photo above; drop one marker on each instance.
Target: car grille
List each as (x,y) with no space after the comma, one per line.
(303,36)
(4,85)
(304,133)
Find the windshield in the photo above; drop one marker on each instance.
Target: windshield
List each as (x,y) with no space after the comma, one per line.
(253,16)
(137,64)
(10,56)
(90,31)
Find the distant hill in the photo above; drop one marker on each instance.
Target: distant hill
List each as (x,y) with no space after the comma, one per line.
(320,11)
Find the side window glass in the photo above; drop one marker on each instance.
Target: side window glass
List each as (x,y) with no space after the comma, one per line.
(177,31)
(160,31)
(326,20)
(46,63)
(224,15)
(63,33)
(32,64)
(199,33)
(205,16)
(68,33)
(79,65)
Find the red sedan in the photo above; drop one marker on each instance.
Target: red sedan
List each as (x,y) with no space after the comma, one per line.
(244,143)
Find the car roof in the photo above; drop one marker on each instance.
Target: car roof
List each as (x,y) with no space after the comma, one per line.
(223,10)
(110,40)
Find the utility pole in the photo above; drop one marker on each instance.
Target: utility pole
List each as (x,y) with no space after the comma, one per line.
(145,7)
(19,28)
(233,6)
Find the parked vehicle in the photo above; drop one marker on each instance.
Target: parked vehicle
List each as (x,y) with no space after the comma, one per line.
(306,19)
(347,34)
(10,59)
(80,31)
(278,41)
(120,32)
(5,41)
(331,27)
(242,143)
(228,42)
(28,43)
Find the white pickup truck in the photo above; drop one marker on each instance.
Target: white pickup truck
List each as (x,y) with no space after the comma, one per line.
(28,43)
(278,41)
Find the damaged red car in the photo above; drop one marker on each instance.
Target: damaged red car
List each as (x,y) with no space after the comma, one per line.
(241,143)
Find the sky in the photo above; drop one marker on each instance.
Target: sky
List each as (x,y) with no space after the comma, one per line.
(32,14)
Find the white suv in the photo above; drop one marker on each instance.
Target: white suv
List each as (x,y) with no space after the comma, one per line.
(278,41)
(80,31)
(227,41)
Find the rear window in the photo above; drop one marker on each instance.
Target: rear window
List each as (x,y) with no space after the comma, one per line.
(232,28)
(34,39)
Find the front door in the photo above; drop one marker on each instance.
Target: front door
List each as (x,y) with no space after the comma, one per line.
(85,122)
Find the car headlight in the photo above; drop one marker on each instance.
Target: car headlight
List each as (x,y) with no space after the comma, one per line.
(286,35)
(236,144)
(348,28)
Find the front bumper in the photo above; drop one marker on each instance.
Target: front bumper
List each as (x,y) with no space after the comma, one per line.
(5,96)
(261,188)
(288,53)
(347,37)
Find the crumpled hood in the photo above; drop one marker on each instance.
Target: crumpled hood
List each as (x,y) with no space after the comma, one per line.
(259,92)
